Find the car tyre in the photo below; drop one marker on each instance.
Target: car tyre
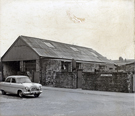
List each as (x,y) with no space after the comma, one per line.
(36,95)
(20,94)
(3,92)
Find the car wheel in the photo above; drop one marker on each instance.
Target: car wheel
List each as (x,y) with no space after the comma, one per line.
(3,92)
(20,94)
(36,95)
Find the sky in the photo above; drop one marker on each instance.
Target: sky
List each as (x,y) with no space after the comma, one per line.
(106,26)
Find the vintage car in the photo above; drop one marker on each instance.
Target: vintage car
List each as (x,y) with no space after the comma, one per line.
(20,85)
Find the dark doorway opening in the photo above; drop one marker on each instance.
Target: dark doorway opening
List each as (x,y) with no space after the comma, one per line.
(10,68)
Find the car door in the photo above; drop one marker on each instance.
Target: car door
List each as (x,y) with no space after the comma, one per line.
(14,85)
(7,85)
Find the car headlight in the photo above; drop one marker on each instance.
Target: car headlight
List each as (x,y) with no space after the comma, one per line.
(40,87)
(27,88)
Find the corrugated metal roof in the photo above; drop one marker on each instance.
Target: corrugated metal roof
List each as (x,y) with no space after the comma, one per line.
(62,50)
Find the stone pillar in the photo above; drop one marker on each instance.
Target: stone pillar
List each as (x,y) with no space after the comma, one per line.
(74,80)
(37,65)
(37,74)
(130,82)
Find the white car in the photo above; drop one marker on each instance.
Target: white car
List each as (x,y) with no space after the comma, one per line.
(20,85)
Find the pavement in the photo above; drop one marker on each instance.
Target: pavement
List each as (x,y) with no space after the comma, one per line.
(79,90)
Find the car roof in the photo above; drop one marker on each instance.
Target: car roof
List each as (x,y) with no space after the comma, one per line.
(17,76)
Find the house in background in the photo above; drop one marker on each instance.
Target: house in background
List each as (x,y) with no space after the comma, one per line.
(125,65)
(41,59)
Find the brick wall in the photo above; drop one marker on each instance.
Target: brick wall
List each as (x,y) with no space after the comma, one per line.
(65,80)
(115,82)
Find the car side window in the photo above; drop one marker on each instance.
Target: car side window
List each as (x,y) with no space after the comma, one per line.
(13,80)
(8,80)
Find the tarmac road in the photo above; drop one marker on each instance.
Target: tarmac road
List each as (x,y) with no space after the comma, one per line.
(69,102)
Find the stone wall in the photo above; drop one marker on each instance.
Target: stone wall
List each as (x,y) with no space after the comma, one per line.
(115,82)
(49,69)
(65,80)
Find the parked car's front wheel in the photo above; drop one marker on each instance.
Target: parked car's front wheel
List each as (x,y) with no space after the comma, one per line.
(36,95)
(20,93)
(3,92)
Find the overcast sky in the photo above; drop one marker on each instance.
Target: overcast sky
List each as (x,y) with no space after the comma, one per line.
(106,26)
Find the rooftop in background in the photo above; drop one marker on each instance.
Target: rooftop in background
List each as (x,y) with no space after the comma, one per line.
(122,61)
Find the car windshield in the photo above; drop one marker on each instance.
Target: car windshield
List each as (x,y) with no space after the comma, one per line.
(23,80)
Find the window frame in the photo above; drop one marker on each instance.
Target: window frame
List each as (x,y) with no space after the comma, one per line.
(65,66)
(12,80)
(8,81)
(48,44)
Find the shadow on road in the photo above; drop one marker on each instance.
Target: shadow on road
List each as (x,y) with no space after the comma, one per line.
(14,96)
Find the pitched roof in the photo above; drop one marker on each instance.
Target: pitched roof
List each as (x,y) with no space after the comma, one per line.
(48,48)
(57,50)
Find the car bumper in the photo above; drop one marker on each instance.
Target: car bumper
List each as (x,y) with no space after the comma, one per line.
(32,92)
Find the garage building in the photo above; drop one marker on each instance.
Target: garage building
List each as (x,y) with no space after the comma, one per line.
(43,59)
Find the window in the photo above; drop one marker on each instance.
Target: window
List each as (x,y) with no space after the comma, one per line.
(110,68)
(78,65)
(94,54)
(13,80)
(8,80)
(49,45)
(75,49)
(66,66)
(23,79)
